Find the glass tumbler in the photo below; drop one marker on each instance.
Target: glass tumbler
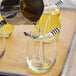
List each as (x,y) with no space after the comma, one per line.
(41,52)
(40,56)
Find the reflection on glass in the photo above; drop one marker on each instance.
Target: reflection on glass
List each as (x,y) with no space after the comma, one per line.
(2,42)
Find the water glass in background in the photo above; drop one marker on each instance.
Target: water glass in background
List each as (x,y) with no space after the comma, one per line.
(5,30)
(73,2)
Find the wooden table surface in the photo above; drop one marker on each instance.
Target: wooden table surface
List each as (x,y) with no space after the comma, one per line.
(14,58)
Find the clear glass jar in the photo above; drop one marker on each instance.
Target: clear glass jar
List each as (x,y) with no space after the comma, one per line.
(40,56)
(41,53)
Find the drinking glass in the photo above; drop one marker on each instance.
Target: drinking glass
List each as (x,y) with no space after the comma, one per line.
(41,52)
(41,56)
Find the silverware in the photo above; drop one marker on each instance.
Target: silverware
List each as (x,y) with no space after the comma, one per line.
(58,3)
(52,33)
(2,54)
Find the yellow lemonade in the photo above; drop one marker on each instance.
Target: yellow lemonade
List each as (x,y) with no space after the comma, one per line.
(6,29)
(49,21)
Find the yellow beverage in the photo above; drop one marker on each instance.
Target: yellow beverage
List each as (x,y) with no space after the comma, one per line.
(49,21)
(6,29)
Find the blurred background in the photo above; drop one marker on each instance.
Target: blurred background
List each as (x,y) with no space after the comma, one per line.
(69,4)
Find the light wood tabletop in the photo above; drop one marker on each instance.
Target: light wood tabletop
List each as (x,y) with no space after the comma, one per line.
(14,59)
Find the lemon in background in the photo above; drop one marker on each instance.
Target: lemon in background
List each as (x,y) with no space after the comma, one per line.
(6,29)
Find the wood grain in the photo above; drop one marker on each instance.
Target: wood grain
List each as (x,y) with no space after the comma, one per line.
(14,58)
